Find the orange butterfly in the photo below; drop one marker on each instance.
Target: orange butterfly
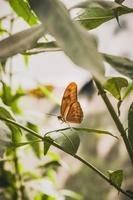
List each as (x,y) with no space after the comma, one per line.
(71,110)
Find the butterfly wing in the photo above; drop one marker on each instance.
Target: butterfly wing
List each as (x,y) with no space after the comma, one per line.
(69,97)
(75,113)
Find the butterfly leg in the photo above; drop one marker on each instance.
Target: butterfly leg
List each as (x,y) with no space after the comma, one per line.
(70,126)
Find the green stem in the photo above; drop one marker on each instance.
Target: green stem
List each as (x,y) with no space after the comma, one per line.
(75,156)
(102,176)
(19,186)
(116,119)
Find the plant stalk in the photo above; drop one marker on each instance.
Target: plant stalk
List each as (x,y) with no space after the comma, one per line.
(19,185)
(116,119)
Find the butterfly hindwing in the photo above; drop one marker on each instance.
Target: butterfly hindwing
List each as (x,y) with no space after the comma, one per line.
(75,113)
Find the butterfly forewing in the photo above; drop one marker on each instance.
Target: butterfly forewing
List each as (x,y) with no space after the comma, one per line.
(69,97)
(75,113)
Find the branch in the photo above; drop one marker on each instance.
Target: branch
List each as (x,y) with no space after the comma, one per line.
(75,156)
(116,119)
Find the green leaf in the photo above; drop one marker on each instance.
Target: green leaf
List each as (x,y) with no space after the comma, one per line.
(26,143)
(47,144)
(128,90)
(42,47)
(6,95)
(42,196)
(4,145)
(97,131)
(68,140)
(5,140)
(119,1)
(121,64)
(71,194)
(114,86)
(50,164)
(19,93)
(5,112)
(116,177)
(35,145)
(30,176)
(26,60)
(70,36)
(7,178)
(11,99)
(20,42)
(130,125)
(96,12)
(82,130)
(22,8)
(14,103)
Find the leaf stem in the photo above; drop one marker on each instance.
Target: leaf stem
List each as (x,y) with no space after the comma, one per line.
(115,118)
(88,130)
(73,155)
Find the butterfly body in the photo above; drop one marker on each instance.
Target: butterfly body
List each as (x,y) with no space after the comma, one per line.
(71,110)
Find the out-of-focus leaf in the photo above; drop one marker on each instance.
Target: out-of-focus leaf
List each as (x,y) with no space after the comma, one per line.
(54,155)
(11,99)
(42,47)
(26,60)
(88,89)
(2,31)
(35,146)
(6,177)
(130,192)
(71,194)
(6,95)
(4,145)
(22,8)
(5,139)
(68,140)
(41,91)
(114,86)
(30,176)
(51,164)
(5,112)
(130,125)
(121,64)
(20,42)
(116,177)
(43,185)
(70,36)
(2,65)
(42,196)
(26,143)
(19,93)
(51,174)
(96,12)
(119,1)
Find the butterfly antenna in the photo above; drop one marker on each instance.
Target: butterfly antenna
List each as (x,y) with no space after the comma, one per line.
(51,114)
